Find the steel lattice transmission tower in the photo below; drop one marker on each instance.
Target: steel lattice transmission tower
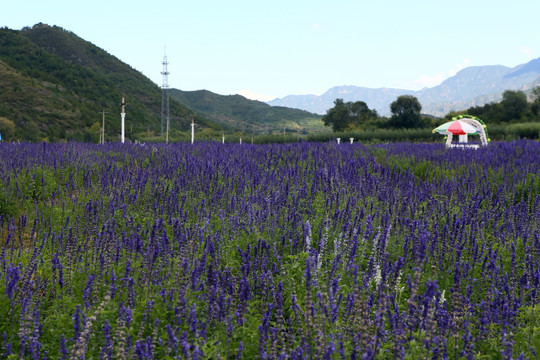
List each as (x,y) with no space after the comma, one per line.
(165,111)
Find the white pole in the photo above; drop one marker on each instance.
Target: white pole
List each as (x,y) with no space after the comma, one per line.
(338,140)
(240,140)
(223,138)
(449,140)
(123,119)
(123,114)
(352,139)
(192,131)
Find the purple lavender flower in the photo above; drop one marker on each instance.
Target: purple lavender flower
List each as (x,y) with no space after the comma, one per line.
(107,349)
(77,318)
(88,290)
(63,348)
(239,351)
(13,275)
(211,234)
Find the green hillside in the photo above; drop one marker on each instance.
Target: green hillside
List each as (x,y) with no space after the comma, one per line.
(54,85)
(237,112)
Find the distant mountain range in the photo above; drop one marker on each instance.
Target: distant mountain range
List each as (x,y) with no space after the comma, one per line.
(472,86)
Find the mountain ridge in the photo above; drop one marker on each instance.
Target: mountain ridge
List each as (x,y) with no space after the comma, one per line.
(238,112)
(471,86)
(54,85)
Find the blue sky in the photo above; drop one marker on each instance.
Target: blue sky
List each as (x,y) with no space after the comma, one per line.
(272,49)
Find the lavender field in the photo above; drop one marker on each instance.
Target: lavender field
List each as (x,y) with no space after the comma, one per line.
(291,251)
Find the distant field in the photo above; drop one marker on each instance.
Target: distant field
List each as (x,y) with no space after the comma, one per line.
(298,251)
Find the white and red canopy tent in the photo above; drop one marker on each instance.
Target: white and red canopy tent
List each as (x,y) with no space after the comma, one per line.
(463,125)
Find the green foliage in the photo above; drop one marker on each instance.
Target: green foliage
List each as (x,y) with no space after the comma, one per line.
(528,190)
(94,132)
(7,128)
(54,84)
(514,104)
(338,117)
(535,101)
(513,108)
(8,207)
(370,135)
(527,333)
(535,94)
(345,115)
(276,139)
(31,132)
(236,112)
(503,131)
(376,135)
(406,112)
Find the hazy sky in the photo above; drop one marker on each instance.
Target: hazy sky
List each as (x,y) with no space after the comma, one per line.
(278,48)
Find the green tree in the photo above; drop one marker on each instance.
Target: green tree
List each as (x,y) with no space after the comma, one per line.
(535,94)
(95,131)
(406,112)
(346,115)
(535,101)
(514,104)
(337,117)
(361,114)
(7,128)
(491,112)
(30,132)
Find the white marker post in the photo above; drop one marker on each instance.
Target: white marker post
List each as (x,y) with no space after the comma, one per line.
(223,138)
(352,139)
(338,140)
(123,114)
(192,130)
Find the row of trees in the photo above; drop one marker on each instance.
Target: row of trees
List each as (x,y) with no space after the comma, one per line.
(406,113)
(515,107)
(348,114)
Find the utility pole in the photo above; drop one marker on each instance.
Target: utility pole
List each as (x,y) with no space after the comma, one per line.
(123,114)
(165,111)
(192,129)
(102,135)
(167,133)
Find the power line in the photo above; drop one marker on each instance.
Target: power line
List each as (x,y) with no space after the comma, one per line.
(102,135)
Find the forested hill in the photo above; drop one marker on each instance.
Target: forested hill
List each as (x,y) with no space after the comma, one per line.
(54,85)
(237,112)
